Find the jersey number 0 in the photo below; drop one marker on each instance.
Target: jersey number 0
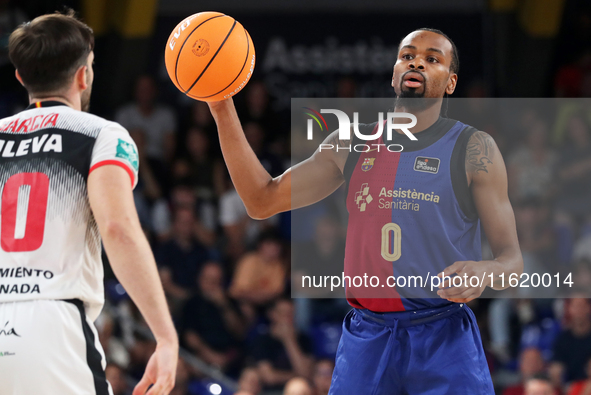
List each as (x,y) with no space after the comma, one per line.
(24,205)
(391,243)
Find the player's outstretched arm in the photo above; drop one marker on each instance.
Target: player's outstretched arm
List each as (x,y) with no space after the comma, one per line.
(129,253)
(262,194)
(487,178)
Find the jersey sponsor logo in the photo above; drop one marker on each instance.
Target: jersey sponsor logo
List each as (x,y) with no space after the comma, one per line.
(23,272)
(395,199)
(409,194)
(127,151)
(6,331)
(367,164)
(19,289)
(6,354)
(427,165)
(398,205)
(45,143)
(31,124)
(363,198)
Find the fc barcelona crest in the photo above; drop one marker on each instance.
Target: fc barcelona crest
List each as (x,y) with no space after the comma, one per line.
(367,164)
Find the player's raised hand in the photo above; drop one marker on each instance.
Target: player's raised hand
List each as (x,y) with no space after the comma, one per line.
(160,371)
(472,284)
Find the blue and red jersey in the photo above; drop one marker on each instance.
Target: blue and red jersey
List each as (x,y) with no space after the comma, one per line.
(411,215)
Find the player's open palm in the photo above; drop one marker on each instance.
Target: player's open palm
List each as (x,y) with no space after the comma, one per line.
(160,371)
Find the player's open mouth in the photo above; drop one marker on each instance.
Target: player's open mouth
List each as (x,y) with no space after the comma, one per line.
(413,79)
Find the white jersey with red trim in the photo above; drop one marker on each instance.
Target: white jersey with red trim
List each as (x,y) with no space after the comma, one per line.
(50,247)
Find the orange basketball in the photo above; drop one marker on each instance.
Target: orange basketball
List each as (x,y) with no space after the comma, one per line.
(209,56)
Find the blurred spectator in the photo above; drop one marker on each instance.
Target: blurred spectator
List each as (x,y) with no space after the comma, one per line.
(298,386)
(536,239)
(582,387)
(200,117)
(282,353)
(115,375)
(323,256)
(572,348)
(479,113)
(183,196)
(148,192)
(240,230)
(10,17)
(113,347)
(542,331)
(206,173)
(181,385)
(155,120)
(258,110)
(250,381)
(531,363)
(322,376)
(565,110)
(571,77)
(539,385)
(211,323)
(237,225)
(531,167)
(574,170)
(581,271)
(255,135)
(140,353)
(346,87)
(516,324)
(260,275)
(180,258)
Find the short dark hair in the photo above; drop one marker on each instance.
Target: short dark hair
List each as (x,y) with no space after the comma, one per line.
(454,67)
(48,51)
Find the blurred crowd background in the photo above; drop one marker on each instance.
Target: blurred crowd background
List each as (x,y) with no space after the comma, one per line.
(227,277)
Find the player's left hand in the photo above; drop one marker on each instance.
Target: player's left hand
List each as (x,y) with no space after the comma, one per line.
(465,292)
(160,372)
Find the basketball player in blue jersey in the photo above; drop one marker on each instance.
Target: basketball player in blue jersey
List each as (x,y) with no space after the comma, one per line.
(393,344)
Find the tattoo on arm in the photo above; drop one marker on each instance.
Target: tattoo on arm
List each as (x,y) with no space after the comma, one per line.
(479,152)
(336,142)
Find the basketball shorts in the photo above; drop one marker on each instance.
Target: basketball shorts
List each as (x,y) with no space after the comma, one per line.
(434,351)
(50,347)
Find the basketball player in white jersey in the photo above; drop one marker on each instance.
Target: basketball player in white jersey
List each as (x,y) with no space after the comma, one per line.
(66,180)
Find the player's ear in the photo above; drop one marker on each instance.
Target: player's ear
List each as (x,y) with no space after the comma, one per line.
(393,70)
(18,77)
(80,78)
(451,83)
